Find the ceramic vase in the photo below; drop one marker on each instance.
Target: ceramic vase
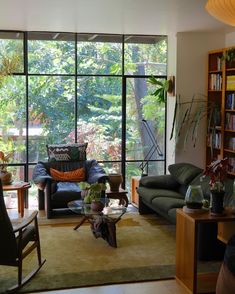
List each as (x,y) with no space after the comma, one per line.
(5,177)
(217,201)
(115,181)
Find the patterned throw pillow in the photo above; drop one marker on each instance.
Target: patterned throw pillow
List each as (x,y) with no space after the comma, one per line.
(77,175)
(67,152)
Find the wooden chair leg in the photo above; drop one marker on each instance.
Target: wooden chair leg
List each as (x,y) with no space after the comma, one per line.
(20,272)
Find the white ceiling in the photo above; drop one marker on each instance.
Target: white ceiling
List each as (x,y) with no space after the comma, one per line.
(108,16)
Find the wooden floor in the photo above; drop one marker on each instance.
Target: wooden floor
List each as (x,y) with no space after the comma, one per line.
(158,287)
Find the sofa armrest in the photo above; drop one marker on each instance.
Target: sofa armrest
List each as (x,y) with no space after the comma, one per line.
(159,182)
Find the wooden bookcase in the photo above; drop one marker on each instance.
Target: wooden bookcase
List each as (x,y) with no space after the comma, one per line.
(221,96)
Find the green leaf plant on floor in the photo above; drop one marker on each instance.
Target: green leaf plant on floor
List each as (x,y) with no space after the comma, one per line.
(189,116)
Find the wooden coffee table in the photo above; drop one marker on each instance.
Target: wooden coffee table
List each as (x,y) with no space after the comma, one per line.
(20,187)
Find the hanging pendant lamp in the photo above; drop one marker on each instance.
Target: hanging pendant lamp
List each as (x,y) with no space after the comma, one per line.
(223,10)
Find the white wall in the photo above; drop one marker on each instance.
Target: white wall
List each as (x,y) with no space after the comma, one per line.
(171,71)
(191,74)
(230,39)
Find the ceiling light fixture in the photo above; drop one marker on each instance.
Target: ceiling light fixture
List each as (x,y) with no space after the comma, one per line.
(223,10)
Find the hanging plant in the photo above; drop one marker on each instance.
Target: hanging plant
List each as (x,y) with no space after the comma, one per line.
(162,87)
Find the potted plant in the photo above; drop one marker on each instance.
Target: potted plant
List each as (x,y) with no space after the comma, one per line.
(217,172)
(92,194)
(5,176)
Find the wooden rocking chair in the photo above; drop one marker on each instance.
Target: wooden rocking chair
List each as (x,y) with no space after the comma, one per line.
(14,240)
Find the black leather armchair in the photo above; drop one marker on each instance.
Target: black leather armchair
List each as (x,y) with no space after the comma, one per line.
(55,195)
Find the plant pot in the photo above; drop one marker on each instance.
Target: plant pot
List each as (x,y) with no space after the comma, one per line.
(217,202)
(97,206)
(5,177)
(115,181)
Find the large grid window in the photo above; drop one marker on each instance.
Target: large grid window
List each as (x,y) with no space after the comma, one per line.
(67,87)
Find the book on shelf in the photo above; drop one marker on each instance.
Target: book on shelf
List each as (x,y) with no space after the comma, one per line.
(214,140)
(230,121)
(219,63)
(231,143)
(215,82)
(230,83)
(231,161)
(230,101)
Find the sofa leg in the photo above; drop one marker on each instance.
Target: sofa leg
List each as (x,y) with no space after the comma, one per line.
(143,208)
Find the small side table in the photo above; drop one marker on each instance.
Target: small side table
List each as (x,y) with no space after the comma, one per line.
(134,195)
(20,187)
(121,195)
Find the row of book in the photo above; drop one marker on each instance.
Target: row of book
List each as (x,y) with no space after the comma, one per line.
(231,161)
(215,82)
(230,143)
(230,121)
(230,101)
(214,140)
(230,83)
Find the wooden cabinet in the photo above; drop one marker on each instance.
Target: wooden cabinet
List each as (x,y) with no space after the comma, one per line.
(187,273)
(221,99)
(134,194)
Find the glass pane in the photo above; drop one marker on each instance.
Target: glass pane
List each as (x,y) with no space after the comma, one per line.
(145,128)
(11,52)
(99,116)
(51,53)
(13,117)
(111,167)
(51,113)
(99,54)
(145,55)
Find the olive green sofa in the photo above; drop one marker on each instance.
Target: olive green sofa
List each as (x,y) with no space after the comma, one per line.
(164,194)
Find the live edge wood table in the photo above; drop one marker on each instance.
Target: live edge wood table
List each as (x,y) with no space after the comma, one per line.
(20,187)
(186,250)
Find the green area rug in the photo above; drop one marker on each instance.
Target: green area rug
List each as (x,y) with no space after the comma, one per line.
(146,251)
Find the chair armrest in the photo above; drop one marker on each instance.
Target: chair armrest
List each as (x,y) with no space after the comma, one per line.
(40,175)
(25,222)
(159,182)
(95,173)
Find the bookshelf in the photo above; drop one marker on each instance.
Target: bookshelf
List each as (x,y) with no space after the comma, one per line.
(221,96)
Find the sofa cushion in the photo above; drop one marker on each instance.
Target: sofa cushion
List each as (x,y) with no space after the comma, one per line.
(77,175)
(184,173)
(149,194)
(166,203)
(67,152)
(160,182)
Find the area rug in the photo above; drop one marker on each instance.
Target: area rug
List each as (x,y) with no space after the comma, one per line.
(146,251)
